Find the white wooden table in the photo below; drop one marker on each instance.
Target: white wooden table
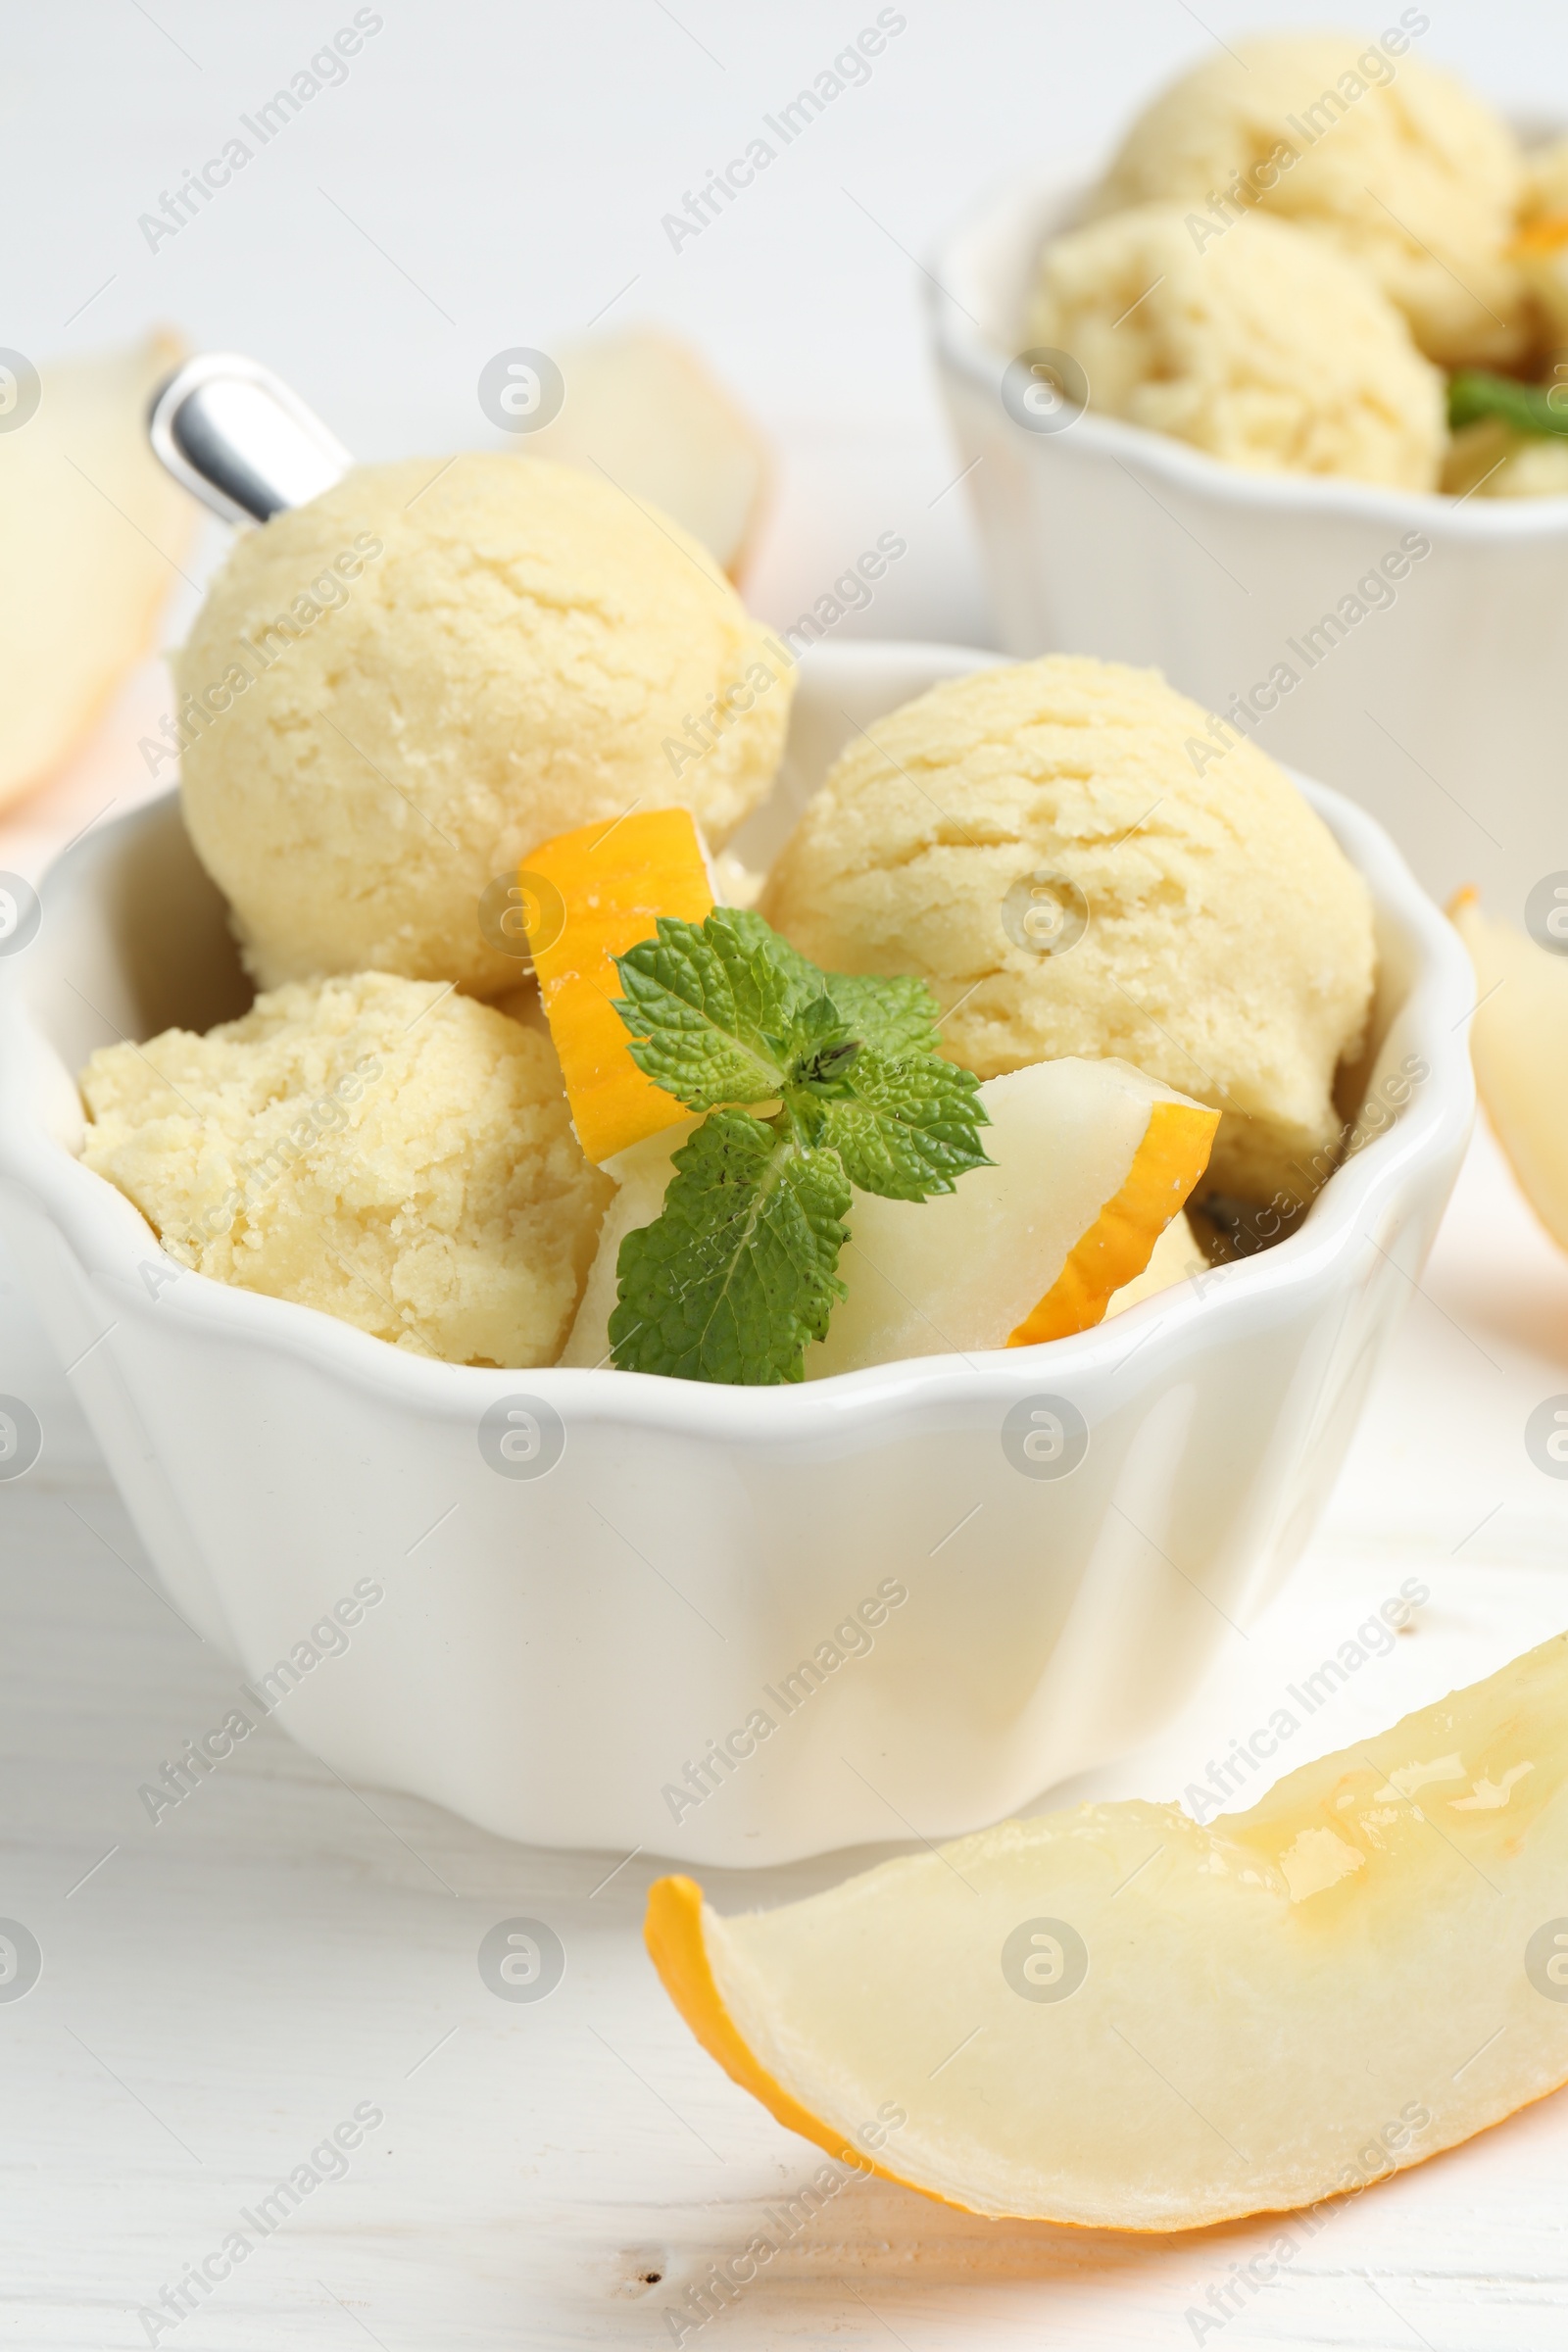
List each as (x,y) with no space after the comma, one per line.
(221,1989)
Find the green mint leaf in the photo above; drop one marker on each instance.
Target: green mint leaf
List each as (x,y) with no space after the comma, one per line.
(739,1270)
(711,1012)
(895,1016)
(822,1046)
(1474,392)
(828,1068)
(905,1128)
(737,1273)
(758,938)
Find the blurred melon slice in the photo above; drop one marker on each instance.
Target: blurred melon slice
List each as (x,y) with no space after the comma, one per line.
(645,409)
(1519,1045)
(92,534)
(1117,2018)
(1492,460)
(1093,1161)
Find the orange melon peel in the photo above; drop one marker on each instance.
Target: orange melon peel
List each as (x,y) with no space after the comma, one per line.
(588,897)
(1118,1247)
(1547,234)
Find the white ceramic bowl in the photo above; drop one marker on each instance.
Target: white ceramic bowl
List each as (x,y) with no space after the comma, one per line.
(1441,712)
(559,1639)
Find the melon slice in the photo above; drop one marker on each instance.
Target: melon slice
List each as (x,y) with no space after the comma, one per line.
(92,534)
(645,410)
(1093,1161)
(1117,2018)
(587,897)
(1519,1045)
(1175,1257)
(642,1173)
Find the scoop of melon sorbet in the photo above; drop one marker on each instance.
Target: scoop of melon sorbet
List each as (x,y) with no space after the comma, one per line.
(1067,855)
(381,1149)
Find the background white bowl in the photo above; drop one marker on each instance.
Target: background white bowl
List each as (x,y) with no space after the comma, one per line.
(1443,713)
(552,1652)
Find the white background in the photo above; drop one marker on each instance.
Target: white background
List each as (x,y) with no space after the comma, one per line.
(221,1989)
(514,165)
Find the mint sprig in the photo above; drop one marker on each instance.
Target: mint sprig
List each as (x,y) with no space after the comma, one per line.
(738,1273)
(1475,392)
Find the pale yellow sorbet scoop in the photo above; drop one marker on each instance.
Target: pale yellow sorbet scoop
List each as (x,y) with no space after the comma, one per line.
(400,689)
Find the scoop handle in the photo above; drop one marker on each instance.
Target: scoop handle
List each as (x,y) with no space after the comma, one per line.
(235,436)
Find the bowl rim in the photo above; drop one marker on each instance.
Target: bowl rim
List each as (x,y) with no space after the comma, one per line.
(116,1246)
(963,346)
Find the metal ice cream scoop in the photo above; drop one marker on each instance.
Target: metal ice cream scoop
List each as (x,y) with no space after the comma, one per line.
(234,436)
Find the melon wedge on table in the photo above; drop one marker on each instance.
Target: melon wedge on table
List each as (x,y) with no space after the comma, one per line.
(643,410)
(588,897)
(1519,1045)
(92,535)
(1114,2017)
(1093,1161)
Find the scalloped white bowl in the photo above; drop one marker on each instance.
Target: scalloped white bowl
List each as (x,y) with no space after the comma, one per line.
(562,1638)
(1440,713)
